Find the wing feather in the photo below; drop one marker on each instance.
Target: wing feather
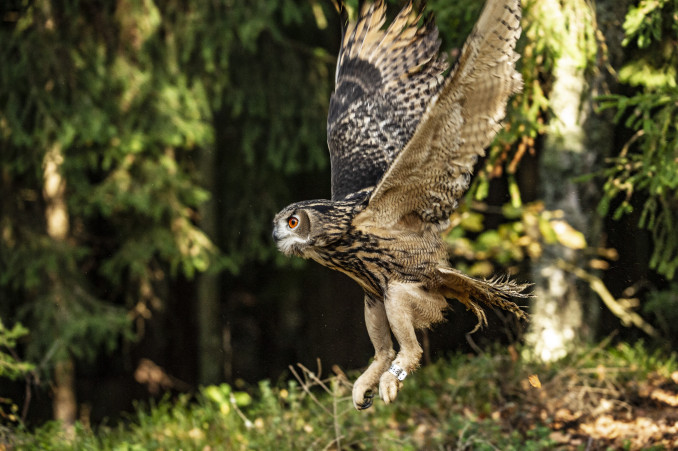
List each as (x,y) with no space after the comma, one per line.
(385,78)
(433,171)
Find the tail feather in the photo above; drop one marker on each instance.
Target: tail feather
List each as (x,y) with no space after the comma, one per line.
(476,294)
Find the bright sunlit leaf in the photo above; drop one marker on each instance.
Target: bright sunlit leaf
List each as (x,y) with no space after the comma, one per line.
(534,381)
(567,235)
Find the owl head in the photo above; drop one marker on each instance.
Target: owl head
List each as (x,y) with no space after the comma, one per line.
(303,226)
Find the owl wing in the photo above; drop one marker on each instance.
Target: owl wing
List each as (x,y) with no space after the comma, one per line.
(428,177)
(385,78)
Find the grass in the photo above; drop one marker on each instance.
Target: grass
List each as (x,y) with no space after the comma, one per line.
(484,402)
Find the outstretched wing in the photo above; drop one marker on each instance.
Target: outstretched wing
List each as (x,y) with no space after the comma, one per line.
(430,175)
(385,79)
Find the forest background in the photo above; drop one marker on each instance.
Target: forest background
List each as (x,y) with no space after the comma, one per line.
(145,147)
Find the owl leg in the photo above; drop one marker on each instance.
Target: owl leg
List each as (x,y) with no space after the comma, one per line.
(380,335)
(398,305)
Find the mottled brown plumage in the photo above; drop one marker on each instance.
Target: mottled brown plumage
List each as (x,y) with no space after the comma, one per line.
(403,140)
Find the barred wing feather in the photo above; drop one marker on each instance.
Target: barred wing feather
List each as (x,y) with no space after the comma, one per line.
(433,171)
(385,79)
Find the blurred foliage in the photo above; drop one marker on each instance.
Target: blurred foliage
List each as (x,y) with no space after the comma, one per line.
(131,95)
(547,37)
(522,235)
(135,95)
(525,229)
(118,120)
(489,401)
(276,118)
(647,164)
(10,366)
(646,167)
(663,306)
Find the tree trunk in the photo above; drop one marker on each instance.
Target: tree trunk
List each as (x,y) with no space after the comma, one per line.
(565,310)
(210,350)
(57,221)
(64,405)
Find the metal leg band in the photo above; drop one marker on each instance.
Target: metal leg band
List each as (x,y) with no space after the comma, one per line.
(398,372)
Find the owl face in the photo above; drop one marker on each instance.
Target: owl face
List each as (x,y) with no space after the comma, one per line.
(292,231)
(303,227)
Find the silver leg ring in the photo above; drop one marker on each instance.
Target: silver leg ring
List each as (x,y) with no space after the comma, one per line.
(398,372)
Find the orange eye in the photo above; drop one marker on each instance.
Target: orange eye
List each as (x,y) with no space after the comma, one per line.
(293,222)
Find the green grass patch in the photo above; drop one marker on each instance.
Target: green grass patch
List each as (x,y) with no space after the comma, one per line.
(491,401)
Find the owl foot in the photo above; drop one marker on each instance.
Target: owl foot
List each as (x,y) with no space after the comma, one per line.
(362,393)
(366,402)
(389,385)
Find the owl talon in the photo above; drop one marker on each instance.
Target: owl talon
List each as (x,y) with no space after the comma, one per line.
(362,394)
(367,401)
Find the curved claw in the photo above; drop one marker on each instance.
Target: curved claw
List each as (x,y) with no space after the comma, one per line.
(367,401)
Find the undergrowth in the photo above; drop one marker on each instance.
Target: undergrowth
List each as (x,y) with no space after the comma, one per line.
(491,401)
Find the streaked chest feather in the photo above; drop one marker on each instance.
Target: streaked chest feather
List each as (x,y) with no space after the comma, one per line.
(373,260)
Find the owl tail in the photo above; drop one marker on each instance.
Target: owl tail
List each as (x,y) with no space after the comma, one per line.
(476,294)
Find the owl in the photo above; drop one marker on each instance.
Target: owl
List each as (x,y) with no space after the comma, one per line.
(404,133)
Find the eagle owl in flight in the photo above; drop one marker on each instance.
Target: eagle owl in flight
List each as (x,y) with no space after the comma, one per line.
(403,139)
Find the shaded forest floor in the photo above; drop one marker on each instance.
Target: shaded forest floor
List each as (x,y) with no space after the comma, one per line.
(621,397)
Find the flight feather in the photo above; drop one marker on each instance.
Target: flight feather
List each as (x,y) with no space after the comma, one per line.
(433,171)
(385,79)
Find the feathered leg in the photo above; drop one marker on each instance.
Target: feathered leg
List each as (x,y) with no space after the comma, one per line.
(378,330)
(398,304)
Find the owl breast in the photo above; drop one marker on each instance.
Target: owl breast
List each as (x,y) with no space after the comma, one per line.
(374,260)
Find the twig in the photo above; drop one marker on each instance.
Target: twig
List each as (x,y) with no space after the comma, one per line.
(626,315)
(336,440)
(248,423)
(27,400)
(304,386)
(314,378)
(335,417)
(28,377)
(472,343)
(628,144)
(426,344)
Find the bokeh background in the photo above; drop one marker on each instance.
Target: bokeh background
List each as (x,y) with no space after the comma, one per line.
(145,147)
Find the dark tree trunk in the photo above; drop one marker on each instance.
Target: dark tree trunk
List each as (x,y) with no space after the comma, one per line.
(210,349)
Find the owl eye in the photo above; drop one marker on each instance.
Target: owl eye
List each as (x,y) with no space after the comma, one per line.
(293,222)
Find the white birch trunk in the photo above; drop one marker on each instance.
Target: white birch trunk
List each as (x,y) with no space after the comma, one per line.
(565,310)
